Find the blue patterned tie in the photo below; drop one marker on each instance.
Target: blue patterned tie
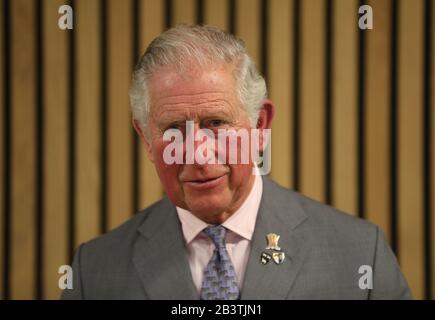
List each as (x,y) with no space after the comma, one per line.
(219,279)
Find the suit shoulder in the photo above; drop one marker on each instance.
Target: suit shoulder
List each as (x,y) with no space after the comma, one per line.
(326,219)
(323,213)
(124,234)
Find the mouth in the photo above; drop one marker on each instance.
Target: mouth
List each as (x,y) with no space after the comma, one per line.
(205,183)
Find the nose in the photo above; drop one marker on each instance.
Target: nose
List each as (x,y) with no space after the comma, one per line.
(199,144)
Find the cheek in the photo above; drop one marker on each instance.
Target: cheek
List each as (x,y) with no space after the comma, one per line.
(168,174)
(240,174)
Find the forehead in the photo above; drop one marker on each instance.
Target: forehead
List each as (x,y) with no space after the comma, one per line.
(205,87)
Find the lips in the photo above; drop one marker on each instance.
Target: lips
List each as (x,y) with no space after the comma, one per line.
(204,182)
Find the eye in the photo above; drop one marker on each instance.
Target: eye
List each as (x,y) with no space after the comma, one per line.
(174,125)
(215,123)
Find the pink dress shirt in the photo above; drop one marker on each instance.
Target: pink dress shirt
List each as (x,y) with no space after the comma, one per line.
(240,227)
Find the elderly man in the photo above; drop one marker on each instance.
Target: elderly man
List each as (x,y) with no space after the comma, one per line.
(224,231)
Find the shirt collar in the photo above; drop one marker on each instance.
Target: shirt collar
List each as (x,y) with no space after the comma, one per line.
(241,222)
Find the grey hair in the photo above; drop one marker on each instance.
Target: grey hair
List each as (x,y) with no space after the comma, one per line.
(205,45)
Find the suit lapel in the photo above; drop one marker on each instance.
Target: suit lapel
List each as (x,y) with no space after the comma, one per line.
(281,213)
(160,256)
(161,262)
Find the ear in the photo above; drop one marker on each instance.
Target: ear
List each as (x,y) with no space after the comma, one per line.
(264,121)
(140,131)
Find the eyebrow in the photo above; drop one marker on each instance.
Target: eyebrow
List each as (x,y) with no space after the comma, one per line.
(163,119)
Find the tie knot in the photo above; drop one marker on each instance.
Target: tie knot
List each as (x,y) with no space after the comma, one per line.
(217,234)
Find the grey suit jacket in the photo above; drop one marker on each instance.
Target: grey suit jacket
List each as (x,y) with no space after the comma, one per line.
(145,258)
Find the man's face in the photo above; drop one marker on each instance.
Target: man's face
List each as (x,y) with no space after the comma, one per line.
(212,192)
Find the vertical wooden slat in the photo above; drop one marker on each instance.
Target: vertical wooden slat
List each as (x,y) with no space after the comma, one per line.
(410,143)
(2,154)
(312,99)
(280,88)
(433,149)
(427,136)
(23,149)
(151,25)
(184,12)
(120,136)
(151,21)
(344,105)
(248,26)
(88,124)
(55,137)
(216,13)
(377,113)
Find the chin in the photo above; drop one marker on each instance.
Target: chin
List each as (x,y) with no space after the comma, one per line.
(206,208)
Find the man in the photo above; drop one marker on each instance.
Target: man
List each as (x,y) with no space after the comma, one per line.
(224,231)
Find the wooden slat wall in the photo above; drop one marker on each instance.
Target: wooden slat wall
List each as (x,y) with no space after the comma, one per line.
(349,127)
(344,105)
(152,24)
(312,99)
(88,189)
(377,118)
(216,13)
(120,134)
(248,26)
(432,150)
(2,148)
(280,83)
(409,135)
(55,152)
(184,12)
(23,156)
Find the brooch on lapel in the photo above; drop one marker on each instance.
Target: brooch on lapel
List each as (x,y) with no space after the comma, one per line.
(274,251)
